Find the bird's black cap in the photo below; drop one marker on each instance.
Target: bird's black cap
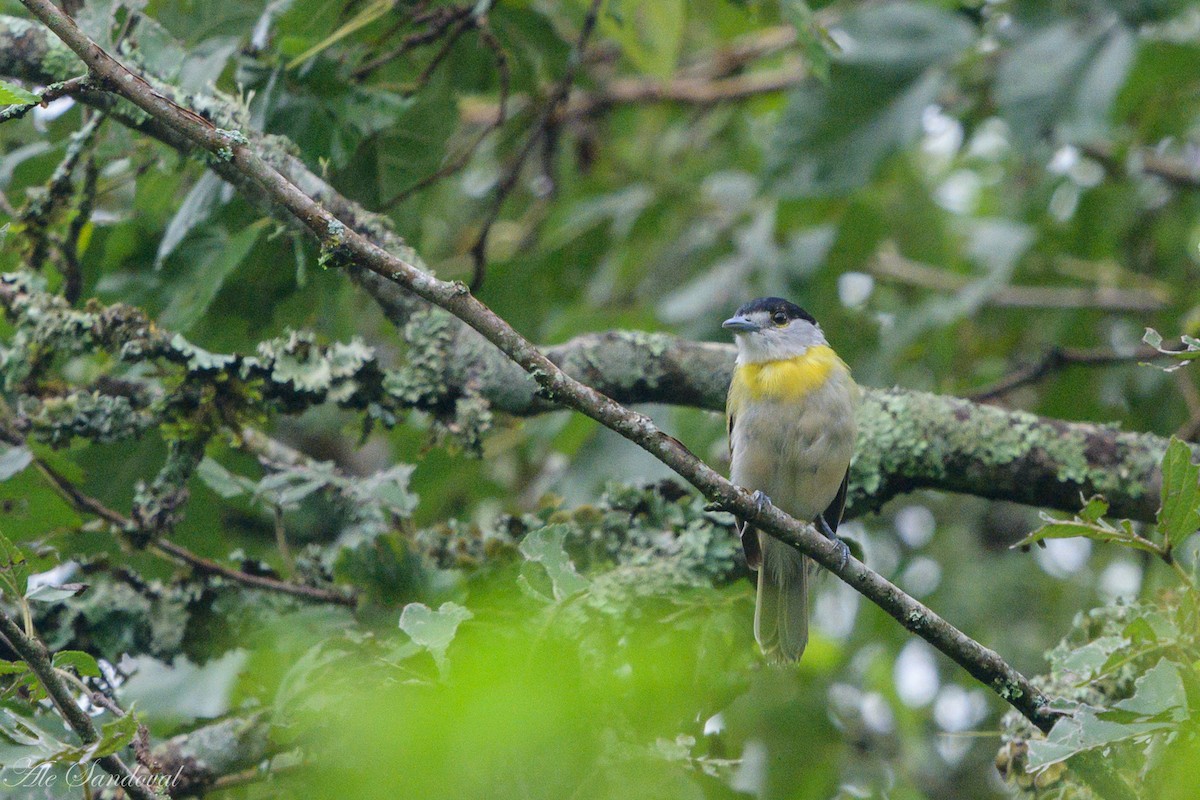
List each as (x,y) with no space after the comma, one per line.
(775,304)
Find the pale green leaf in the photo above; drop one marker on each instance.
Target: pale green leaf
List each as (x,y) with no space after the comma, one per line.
(545,546)
(214,264)
(1179,516)
(13,95)
(13,460)
(433,630)
(83,663)
(49,593)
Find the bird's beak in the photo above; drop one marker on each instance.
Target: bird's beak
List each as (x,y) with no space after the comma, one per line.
(739,325)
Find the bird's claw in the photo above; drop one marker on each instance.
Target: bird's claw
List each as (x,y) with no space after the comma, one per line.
(842,548)
(760,500)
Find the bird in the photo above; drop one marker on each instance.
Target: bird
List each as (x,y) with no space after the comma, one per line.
(790,414)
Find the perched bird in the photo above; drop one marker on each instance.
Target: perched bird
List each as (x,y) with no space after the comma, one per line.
(791,423)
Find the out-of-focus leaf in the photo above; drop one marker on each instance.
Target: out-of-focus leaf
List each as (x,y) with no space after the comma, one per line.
(1062,81)
(649,34)
(1179,516)
(365,16)
(1090,659)
(390,488)
(1189,353)
(14,569)
(13,460)
(29,506)
(813,39)
(1165,78)
(433,630)
(49,593)
(181,690)
(13,95)
(545,546)
(214,262)
(194,210)
(833,135)
(221,480)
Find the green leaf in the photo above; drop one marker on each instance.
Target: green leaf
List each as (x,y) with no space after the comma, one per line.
(1179,516)
(194,210)
(114,736)
(1061,81)
(1089,660)
(13,95)
(814,41)
(1090,524)
(649,34)
(213,263)
(1095,508)
(48,593)
(13,568)
(221,480)
(13,667)
(83,663)
(834,135)
(545,546)
(433,630)
(1082,731)
(13,460)
(365,16)
(1159,691)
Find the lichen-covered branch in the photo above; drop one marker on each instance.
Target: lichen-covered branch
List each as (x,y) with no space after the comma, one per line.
(910,440)
(344,245)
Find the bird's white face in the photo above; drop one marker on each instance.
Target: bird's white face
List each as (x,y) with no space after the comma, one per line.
(763,335)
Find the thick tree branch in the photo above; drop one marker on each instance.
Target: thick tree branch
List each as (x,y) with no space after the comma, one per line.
(199,759)
(35,655)
(346,245)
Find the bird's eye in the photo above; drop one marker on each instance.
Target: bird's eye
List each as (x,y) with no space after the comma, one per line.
(779,318)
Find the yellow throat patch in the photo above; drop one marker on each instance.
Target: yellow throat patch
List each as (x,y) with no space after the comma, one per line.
(787,379)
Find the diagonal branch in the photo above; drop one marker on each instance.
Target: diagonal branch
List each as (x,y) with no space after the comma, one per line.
(35,655)
(347,245)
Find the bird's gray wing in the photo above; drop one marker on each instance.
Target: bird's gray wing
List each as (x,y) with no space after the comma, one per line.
(833,514)
(751,547)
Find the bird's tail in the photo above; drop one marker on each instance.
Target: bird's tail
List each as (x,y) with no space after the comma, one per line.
(781,611)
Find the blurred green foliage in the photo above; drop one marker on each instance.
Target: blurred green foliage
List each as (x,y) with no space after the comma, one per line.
(952,188)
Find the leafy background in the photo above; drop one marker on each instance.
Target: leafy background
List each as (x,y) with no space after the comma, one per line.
(934,188)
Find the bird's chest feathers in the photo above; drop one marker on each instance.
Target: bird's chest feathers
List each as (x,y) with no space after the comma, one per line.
(785,380)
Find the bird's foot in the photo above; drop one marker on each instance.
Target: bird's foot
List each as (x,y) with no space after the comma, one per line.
(826,531)
(761,501)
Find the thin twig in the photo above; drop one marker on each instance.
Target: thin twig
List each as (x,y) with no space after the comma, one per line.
(1058,358)
(454,165)
(208,566)
(438,23)
(48,95)
(37,658)
(560,94)
(984,664)
(1179,172)
(87,504)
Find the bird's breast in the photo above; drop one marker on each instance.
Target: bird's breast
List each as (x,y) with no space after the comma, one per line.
(792,434)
